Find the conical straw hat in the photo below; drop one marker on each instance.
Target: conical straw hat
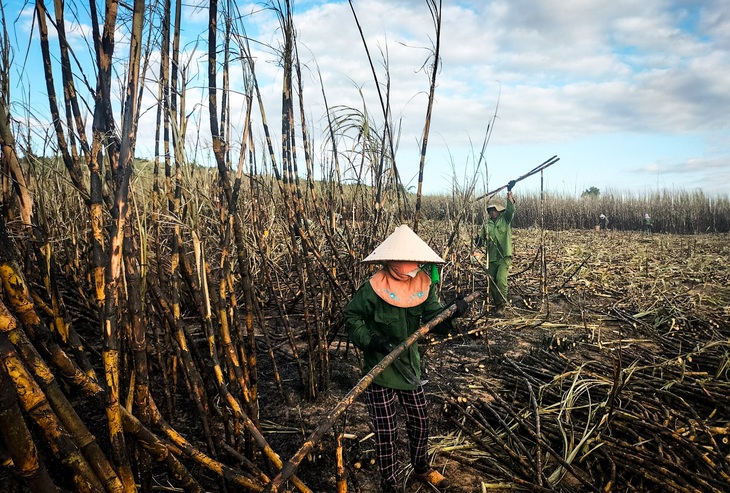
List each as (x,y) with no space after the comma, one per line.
(405,245)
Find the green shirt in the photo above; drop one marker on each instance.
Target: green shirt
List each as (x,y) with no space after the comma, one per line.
(497,234)
(367,315)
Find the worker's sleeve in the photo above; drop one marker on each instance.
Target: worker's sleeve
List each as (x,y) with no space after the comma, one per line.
(509,212)
(356,315)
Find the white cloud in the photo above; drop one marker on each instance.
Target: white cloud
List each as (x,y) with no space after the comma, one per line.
(565,73)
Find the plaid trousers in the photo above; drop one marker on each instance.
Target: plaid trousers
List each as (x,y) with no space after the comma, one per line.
(381,407)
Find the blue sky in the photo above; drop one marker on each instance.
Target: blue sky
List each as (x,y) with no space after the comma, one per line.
(632,96)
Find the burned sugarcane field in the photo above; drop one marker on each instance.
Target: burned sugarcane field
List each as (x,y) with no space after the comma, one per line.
(227,268)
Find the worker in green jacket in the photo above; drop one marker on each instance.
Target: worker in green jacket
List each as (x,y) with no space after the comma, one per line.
(496,234)
(390,306)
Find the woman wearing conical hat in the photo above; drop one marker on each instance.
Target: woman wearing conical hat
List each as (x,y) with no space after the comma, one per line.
(385,310)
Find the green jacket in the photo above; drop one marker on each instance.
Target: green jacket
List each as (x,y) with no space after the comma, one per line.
(497,235)
(367,315)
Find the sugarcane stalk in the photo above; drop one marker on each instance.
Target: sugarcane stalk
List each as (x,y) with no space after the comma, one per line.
(120,215)
(538,433)
(252,484)
(12,163)
(73,167)
(567,465)
(139,343)
(19,442)
(436,10)
(197,386)
(35,403)
(340,471)
(227,347)
(161,453)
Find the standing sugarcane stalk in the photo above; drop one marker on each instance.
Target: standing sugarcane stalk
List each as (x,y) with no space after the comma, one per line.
(544,300)
(196,385)
(298,224)
(244,363)
(120,215)
(133,257)
(11,163)
(328,421)
(174,136)
(232,225)
(322,338)
(340,472)
(436,16)
(73,111)
(162,137)
(387,145)
(74,170)
(211,334)
(285,178)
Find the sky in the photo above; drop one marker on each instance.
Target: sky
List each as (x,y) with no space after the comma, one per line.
(631,96)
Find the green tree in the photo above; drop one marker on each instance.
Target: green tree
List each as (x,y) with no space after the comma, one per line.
(591,192)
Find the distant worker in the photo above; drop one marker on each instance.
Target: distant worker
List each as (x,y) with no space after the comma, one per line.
(496,234)
(646,223)
(602,222)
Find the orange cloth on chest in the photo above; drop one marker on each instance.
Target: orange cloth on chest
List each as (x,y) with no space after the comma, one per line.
(394,286)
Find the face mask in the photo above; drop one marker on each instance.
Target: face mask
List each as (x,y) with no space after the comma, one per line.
(405,269)
(412,273)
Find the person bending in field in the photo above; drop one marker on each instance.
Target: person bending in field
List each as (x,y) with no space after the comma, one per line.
(385,311)
(602,222)
(496,235)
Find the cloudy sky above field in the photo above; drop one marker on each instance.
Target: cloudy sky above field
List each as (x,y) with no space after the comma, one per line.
(631,96)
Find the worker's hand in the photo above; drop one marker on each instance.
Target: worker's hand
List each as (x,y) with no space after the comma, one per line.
(461,307)
(380,344)
(511,185)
